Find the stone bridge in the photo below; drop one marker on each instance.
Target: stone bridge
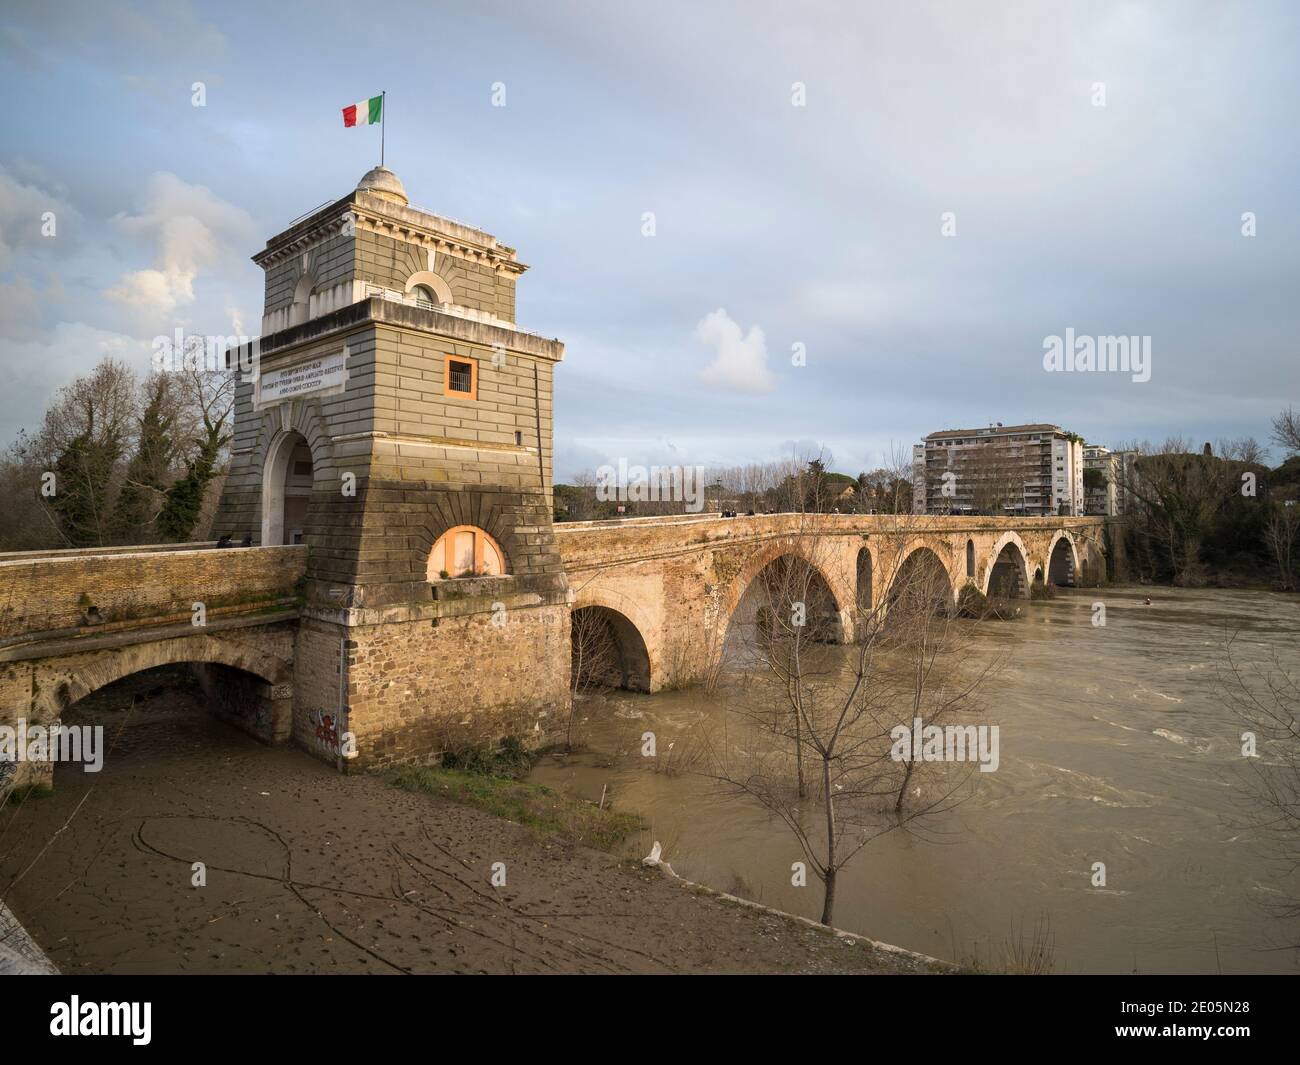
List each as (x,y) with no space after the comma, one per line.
(672,585)
(391,457)
(74,622)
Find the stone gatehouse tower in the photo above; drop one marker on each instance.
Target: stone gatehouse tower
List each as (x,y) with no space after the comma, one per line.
(399,423)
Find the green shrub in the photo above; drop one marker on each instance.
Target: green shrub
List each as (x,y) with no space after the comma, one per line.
(972,603)
(532,805)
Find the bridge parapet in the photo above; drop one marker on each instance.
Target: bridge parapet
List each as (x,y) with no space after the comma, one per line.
(589,544)
(48,595)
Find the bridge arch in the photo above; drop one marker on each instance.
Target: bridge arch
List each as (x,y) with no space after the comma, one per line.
(1092,563)
(1062,559)
(919,560)
(842,595)
(82,675)
(1010,552)
(639,665)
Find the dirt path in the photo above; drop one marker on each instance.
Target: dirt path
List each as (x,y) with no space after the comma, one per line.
(310,871)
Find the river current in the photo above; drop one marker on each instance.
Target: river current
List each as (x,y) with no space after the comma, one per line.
(1117,746)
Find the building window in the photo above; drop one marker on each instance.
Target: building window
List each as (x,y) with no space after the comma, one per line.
(461,377)
(465,551)
(425,298)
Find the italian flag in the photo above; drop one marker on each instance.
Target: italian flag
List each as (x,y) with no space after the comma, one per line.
(365,113)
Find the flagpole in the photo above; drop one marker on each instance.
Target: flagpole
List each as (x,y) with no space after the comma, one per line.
(383,122)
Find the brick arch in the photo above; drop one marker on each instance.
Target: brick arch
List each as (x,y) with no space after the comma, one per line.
(481,510)
(106,667)
(300,303)
(992,558)
(1057,537)
(590,595)
(301,416)
(842,594)
(434,281)
(913,548)
(1091,555)
(280,425)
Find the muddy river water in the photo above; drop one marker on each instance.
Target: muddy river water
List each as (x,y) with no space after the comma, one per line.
(1117,746)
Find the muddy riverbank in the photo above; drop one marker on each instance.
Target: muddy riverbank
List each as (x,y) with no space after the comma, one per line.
(308,871)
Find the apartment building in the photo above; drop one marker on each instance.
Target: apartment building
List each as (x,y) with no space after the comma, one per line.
(1107,475)
(1029,470)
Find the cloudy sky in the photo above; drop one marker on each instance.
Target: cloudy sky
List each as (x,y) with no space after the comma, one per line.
(1094,159)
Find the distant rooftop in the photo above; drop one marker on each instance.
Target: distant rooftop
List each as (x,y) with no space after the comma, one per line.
(996,430)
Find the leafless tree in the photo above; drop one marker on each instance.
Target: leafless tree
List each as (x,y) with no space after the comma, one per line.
(594,660)
(816,745)
(83,437)
(1280,533)
(1286,431)
(993,474)
(1179,491)
(1266,699)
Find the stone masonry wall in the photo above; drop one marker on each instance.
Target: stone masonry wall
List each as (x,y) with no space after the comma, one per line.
(417,690)
(54,594)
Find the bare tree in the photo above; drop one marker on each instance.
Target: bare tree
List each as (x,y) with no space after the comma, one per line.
(818,744)
(994,474)
(595,660)
(1266,699)
(83,438)
(1179,491)
(1286,431)
(1280,533)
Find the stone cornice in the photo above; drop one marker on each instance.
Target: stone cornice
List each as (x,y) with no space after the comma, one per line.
(380,311)
(410,225)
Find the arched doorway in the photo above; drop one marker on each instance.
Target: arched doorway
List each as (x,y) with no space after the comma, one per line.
(286,490)
(607,650)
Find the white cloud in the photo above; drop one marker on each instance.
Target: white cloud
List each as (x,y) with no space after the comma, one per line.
(22,207)
(741,361)
(191,229)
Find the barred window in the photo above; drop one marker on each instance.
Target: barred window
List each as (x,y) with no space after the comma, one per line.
(461,377)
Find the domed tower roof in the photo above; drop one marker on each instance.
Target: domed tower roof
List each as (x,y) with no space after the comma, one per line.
(383,183)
